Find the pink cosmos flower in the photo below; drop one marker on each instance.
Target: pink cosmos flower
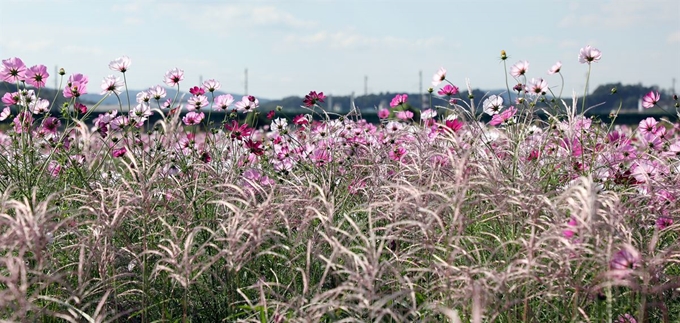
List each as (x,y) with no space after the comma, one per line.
(211,85)
(37,75)
(405,115)
(22,122)
(53,168)
(503,117)
(492,105)
(50,125)
(398,99)
(12,70)
(448,90)
(647,126)
(625,318)
(111,84)
(383,113)
(247,104)
(625,261)
(650,99)
(223,102)
(193,118)
(271,114)
(439,77)
(174,76)
(120,64)
(537,87)
(397,153)
(644,170)
(393,126)
(589,54)
(40,106)
(520,68)
(651,141)
(141,113)
(428,114)
(663,222)
(196,91)
(143,97)
(76,86)
(4,114)
(197,102)
(555,68)
(10,99)
(673,150)
(321,156)
(313,98)
(571,231)
(156,92)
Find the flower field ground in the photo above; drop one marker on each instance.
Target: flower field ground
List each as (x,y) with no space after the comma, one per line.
(437,217)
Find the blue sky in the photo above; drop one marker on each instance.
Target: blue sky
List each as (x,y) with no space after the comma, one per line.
(293,47)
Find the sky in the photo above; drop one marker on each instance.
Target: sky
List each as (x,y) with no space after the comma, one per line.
(293,47)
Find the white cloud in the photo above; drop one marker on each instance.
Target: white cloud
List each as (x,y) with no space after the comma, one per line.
(28,45)
(673,37)
(223,19)
(617,14)
(73,49)
(353,40)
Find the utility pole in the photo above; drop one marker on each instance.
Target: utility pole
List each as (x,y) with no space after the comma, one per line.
(200,79)
(56,72)
(420,89)
(673,88)
(365,85)
(246,84)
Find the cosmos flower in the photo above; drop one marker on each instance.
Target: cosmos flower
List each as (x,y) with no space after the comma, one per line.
(650,99)
(439,77)
(589,54)
(120,64)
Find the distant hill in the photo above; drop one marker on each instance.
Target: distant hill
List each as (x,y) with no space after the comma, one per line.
(113,100)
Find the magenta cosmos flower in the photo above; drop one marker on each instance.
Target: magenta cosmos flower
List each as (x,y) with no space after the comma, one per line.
(174,76)
(439,77)
(520,68)
(589,54)
(448,90)
(650,99)
(37,75)
(12,70)
(313,98)
(120,64)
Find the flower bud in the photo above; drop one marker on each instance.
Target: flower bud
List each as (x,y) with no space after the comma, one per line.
(614,90)
(504,56)
(430,90)
(62,71)
(279,108)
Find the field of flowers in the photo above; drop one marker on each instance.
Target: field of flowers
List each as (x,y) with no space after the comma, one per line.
(437,217)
